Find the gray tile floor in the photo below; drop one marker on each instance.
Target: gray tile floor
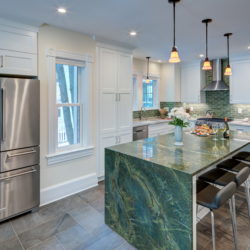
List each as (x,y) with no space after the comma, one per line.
(77,222)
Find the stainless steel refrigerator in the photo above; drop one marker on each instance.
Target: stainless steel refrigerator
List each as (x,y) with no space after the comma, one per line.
(19,147)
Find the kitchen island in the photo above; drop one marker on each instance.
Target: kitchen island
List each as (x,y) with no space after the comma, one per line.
(150,187)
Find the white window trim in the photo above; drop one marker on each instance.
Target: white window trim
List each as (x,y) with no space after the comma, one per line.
(86,147)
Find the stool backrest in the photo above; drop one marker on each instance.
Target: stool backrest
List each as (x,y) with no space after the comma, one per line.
(242,176)
(225,194)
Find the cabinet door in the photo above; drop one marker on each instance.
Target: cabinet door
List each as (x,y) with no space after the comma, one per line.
(17,63)
(124,112)
(106,141)
(107,86)
(125,137)
(240,82)
(191,83)
(124,83)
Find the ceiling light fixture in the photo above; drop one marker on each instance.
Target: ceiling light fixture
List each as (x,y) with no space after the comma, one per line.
(201,55)
(174,56)
(61,10)
(228,70)
(133,33)
(248,47)
(207,63)
(148,80)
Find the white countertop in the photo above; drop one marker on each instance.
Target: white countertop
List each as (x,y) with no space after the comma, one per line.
(149,121)
(239,123)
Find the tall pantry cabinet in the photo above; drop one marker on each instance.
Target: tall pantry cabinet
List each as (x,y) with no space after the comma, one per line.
(114,73)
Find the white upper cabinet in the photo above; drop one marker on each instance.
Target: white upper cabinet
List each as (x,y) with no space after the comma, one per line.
(240,82)
(169,90)
(18,49)
(192,81)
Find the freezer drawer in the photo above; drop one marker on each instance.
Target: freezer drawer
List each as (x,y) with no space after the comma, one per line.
(15,159)
(19,191)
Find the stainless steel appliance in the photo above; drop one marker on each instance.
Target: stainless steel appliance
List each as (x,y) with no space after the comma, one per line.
(140,132)
(19,147)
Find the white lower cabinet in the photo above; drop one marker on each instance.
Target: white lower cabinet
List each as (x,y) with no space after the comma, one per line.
(18,63)
(109,141)
(160,129)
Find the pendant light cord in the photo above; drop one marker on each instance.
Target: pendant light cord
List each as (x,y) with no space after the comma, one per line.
(228,50)
(206,39)
(148,67)
(174,21)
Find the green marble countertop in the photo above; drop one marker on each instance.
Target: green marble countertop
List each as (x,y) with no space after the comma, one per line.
(197,154)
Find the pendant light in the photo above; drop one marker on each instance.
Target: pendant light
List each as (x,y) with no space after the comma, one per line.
(228,71)
(174,56)
(207,63)
(147,79)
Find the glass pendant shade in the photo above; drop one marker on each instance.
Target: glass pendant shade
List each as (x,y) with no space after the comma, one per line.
(148,80)
(207,65)
(174,56)
(228,71)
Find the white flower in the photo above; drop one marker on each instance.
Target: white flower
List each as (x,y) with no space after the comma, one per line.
(180,113)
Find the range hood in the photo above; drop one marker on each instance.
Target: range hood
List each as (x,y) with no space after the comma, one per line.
(218,83)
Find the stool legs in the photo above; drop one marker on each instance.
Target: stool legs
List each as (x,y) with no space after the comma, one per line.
(247,197)
(213,229)
(234,223)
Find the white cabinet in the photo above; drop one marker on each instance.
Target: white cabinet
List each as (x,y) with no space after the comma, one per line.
(18,49)
(169,90)
(160,129)
(115,99)
(240,82)
(192,81)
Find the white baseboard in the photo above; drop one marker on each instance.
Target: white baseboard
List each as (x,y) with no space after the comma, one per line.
(65,189)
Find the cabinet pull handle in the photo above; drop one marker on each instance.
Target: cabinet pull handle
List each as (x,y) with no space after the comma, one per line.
(2,64)
(16,175)
(33,151)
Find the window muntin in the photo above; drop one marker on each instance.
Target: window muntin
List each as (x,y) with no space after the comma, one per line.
(69,78)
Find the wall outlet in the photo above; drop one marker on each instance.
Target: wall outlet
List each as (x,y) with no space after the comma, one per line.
(240,110)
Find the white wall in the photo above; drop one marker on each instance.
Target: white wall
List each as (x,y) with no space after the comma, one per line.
(76,174)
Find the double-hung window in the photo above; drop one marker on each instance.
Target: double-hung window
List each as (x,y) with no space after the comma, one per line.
(69,81)
(69,106)
(150,94)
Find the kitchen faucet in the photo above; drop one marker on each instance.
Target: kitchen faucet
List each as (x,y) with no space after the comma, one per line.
(141,112)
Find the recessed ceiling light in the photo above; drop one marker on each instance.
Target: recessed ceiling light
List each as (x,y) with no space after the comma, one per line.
(159,61)
(248,47)
(201,55)
(61,10)
(133,33)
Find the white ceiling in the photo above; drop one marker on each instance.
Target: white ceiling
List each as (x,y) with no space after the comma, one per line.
(152,19)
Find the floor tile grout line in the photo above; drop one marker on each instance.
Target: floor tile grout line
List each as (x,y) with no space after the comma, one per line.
(17,236)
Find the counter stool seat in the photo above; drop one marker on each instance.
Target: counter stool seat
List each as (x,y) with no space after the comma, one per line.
(213,198)
(243,156)
(232,165)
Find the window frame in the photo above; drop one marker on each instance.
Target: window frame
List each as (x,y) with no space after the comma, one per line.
(155,93)
(85,146)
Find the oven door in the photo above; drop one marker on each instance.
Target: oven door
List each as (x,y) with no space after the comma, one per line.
(19,191)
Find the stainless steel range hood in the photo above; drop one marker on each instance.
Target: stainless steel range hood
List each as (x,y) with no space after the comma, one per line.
(218,83)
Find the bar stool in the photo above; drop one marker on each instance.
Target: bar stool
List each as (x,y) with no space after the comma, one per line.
(213,198)
(236,166)
(243,156)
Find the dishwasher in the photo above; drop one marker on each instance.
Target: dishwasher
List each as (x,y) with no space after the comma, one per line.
(140,132)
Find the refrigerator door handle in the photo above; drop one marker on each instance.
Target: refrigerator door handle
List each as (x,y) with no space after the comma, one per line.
(33,151)
(16,175)
(2,114)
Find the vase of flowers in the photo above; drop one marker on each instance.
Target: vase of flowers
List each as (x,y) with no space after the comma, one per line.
(180,121)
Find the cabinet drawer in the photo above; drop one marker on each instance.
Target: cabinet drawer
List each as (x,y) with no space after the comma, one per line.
(14,159)
(20,191)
